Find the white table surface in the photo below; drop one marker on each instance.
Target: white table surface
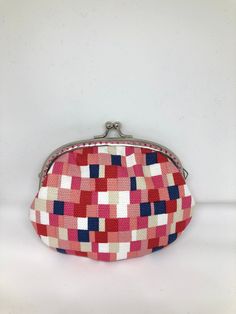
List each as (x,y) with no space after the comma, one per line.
(196,274)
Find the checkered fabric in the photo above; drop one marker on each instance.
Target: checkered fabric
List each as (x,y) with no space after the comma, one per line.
(111,202)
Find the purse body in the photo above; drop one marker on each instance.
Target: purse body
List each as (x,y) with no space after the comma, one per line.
(111,198)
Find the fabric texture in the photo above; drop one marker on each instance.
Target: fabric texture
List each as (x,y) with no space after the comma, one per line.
(111,203)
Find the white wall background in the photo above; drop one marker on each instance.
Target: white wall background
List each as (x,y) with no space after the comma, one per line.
(166,69)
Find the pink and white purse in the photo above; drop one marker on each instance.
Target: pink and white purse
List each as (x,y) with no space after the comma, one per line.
(111,198)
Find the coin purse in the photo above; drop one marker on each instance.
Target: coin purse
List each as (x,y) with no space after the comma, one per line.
(111,198)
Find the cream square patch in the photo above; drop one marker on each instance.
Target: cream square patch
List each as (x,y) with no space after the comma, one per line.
(113,247)
(146,171)
(53,242)
(170,179)
(141,234)
(113,197)
(63,235)
(141,183)
(85,246)
(101,222)
(124,197)
(52,194)
(40,204)
(152,221)
(101,171)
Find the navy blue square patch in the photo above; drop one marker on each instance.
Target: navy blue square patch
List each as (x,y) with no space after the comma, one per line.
(160,207)
(173,192)
(116,160)
(83,235)
(133,185)
(94,171)
(93,224)
(58,208)
(61,251)
(151,158)
(145,209)
(158,248)
(172,237)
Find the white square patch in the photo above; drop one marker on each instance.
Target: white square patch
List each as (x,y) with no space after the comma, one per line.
(32,215)
(84,171)
(44,218)
(162,219)
(45,239)
(103,247)
(155,169)
(102,149)
(130,160)
(43,193)
(82,223)
(134,235)
(103,198)
(121,255)
(124,247)
(120,150)
(186,190)
(66,182)
(121,211)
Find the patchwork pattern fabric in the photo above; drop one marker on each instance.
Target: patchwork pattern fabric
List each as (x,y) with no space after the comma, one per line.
(111,202)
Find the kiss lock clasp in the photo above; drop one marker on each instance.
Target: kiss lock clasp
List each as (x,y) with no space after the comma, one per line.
(113,126)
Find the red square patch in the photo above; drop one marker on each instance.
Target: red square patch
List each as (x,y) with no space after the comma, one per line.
(101,184)
(124,224)
(153,243)
(111,171)
(112,224)
(171,206)
(86,197)
(153,195)
(58,167)
(178,178)
(82,159)
(80,210)
(101,237)
(180,226)
(42,229)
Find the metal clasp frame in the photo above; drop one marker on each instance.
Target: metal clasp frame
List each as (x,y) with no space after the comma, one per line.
(113,126)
